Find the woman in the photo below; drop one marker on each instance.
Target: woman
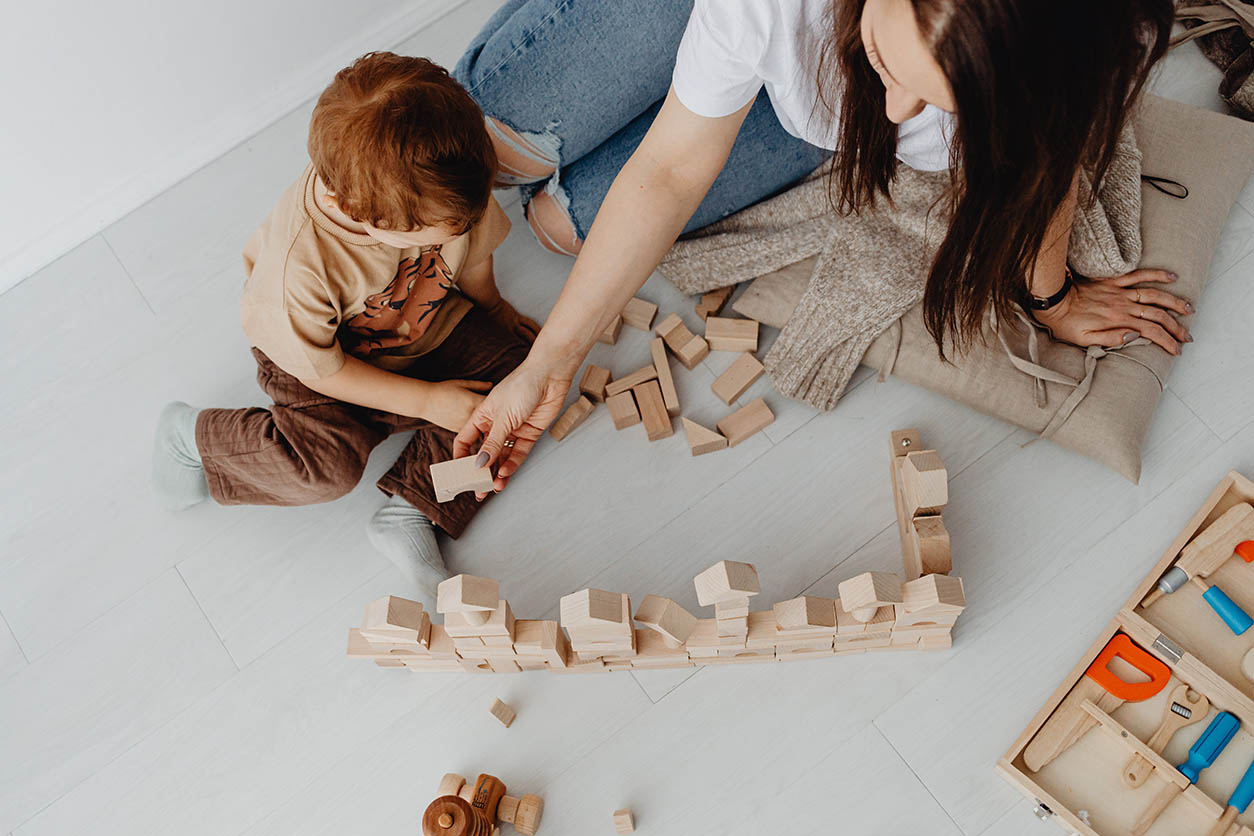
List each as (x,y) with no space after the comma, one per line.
(1015,96)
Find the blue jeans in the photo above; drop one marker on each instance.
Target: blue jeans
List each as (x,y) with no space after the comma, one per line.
(583,79)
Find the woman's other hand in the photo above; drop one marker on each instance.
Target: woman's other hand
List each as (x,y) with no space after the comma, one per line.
(1112,312)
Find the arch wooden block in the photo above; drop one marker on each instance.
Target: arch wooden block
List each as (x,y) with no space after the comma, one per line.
(457,476)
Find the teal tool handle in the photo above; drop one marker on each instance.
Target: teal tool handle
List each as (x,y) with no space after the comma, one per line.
(1244,793)
(1210,744)
(1237,619)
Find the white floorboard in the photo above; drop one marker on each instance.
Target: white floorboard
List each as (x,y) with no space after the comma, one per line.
(184,673)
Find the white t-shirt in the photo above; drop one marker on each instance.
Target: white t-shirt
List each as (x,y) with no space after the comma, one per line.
(732,48)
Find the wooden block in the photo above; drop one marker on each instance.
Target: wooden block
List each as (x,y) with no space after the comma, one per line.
(904,441)
(594,380)
(626,382)
(1212,547)
(713,301)
(726,334)
(610,335)
(662,365)
(503,712)
(863,595)
(932,543)
(657,421)
(703,640)
(732,608)
(638,313)
(693,352)
(733,627)
(468,594)
(702,440)
(395,619)
(936,642)
(925,483)
(458,475)
(806,611)
(498,622)
(937,594)
(623,822)
(746,421)
(654,646)
(571,418)
(591,607)
(623,410)
(762,632)
(541,640)
(667,618)
(689,348)
(726,580)
(740,375)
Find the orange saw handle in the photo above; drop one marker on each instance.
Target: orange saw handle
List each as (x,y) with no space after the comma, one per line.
(1123,647)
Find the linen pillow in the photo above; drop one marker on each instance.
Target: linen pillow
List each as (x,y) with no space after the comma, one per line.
(1096,402)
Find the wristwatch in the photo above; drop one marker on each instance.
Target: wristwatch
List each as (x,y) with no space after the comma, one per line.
(1038,303)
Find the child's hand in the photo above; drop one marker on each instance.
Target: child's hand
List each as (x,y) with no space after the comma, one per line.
(452,402)
(511,320)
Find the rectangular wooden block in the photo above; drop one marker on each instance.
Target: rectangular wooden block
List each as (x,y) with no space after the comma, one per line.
(806,611)
(665,380)
(733,627)
(657,421)
(395,619)
(726,334)
(467,593)
(732,608)
(594,381)
(746,421)
(626,382)
(610,335)
(503,712)
(740,375)
(623,410)
(574,415)
(713,301)
(591,607)
(638,313)
(458,475)
(623,822)
(702,440)
(932,541)
(925,483)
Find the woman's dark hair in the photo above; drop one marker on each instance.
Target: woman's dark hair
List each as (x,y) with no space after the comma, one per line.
(1042,87)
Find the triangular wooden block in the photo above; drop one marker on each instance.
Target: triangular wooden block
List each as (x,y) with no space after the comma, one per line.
(702,440)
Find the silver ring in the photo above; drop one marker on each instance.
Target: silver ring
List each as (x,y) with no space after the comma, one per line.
(509,442)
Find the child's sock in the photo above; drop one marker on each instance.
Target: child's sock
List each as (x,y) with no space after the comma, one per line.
(407,537)
(178,477)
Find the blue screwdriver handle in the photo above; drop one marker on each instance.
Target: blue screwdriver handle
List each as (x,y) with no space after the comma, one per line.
(1244,793)
(1203,753)
(1237,619)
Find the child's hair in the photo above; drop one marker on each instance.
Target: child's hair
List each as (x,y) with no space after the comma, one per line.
(402,145)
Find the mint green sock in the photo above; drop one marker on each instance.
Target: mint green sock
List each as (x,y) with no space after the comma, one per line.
(178,477)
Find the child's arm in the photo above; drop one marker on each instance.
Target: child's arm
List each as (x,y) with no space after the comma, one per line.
(447,403)
(478,284)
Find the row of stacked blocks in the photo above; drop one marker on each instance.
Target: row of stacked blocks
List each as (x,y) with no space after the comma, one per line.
(596,633)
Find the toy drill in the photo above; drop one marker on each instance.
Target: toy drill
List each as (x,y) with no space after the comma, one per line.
(463,809)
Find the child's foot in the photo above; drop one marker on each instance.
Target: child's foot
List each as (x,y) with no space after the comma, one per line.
(178,477)
(407,537)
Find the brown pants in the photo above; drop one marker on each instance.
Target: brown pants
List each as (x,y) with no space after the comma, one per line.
(310,448)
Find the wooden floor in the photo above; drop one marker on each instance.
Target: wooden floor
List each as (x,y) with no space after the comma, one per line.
(185,673)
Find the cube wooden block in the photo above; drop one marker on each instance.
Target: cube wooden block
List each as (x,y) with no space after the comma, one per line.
(638,313)
(657,421)
(623,410)
(626,382)
(864,594)
(667,618)
(665,380)
(503,712)
(746,421)
(395,619)
(931,538)
(593,383)
(610,335)
(933,593)
(574,415)
(925,482)
(467,593)
(725,334)
(713,301)
(726,580)
(591,607)
(623,821)
(806,611)
(458,475)
(688,347)
(740,375)
(702,440)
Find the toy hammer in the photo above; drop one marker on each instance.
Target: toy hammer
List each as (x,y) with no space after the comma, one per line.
(473,810)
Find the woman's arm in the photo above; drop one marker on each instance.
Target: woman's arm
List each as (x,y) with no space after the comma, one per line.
(646,208)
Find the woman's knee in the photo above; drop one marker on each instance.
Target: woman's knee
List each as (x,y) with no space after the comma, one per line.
(523,156)
(551,223)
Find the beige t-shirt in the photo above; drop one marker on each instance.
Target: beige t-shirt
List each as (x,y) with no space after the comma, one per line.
(315,290)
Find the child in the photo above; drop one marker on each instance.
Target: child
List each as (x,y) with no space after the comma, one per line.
(372,309)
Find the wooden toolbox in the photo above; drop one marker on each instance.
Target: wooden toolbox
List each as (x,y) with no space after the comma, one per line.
(1091,757)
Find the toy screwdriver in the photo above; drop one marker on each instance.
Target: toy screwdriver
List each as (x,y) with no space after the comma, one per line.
(1201,755)
(1237,619)
(1237,802)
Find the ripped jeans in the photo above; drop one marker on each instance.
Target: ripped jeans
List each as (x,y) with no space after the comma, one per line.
(576,84)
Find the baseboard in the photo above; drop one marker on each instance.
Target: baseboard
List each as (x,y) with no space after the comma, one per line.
(230,131)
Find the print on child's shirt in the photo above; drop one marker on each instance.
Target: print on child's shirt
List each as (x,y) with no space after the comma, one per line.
(402,312)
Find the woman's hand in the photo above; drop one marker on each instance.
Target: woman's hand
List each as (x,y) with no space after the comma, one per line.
(1111,312)
(450,403)
(520,408)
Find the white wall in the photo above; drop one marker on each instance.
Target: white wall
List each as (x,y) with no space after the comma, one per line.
(106,104)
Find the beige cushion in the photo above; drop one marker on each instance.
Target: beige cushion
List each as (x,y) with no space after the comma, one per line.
(1212,154)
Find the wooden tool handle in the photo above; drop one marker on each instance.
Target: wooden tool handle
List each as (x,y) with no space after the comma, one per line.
(1067,724)
(1155,809)
(1225,821)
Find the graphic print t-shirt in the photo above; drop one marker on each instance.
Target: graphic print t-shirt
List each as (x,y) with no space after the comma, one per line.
(316,290)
